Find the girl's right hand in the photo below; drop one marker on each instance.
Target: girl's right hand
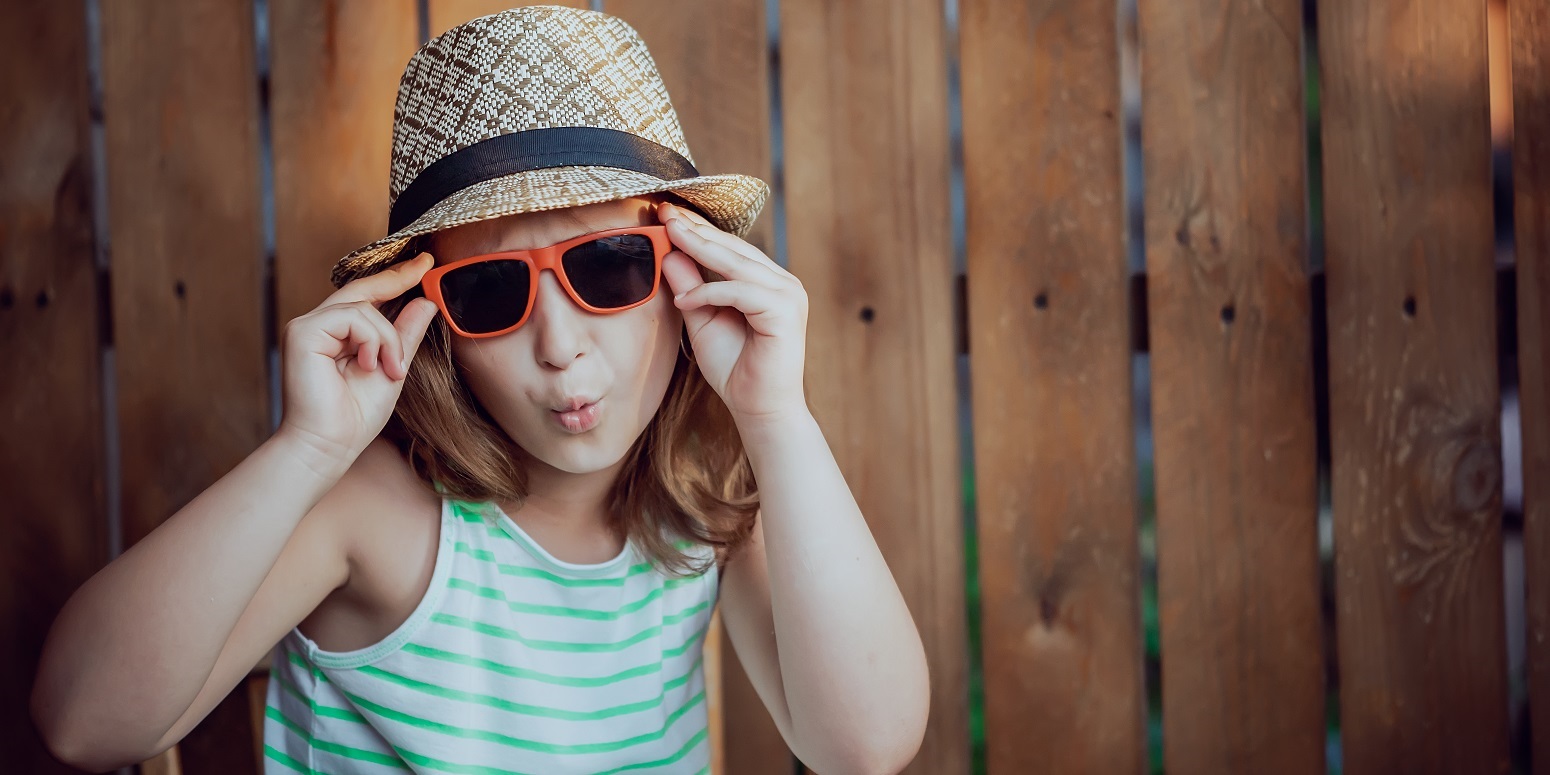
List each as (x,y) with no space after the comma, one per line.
(344,364)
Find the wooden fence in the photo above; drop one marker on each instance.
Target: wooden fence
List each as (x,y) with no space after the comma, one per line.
(138,317)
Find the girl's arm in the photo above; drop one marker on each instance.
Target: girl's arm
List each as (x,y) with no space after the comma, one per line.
(145,648)
(815,615)
(138,642)
(811,607)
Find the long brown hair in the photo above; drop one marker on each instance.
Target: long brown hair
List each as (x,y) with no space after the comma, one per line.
(685,477)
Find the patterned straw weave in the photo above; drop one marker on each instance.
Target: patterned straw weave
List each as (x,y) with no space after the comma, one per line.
(537,67)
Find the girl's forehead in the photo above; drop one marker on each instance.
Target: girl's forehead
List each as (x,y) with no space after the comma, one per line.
(540,229)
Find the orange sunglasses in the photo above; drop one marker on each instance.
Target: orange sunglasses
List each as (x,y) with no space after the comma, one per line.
(606,271)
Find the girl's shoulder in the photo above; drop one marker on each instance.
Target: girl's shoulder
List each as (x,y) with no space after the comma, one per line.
(391,525)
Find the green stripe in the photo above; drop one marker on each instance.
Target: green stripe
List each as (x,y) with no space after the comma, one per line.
(474,769)
(359,754)
(466,511)
(273,753)
(492,593)
(539,573)
(426,761)
(499,703)
(495,667)
(517,742)
(325,711)
(558,645)
(590,614)
(405,754)
(454,767)
(528,673)
(679,754)
(470,512)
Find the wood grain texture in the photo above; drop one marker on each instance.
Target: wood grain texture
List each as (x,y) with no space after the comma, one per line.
(1232,387)
(1530,34)
(168,762)
(180,104)
(446,14)
(181,118)
(1050,353)
(333,81)
(864,91)
(714,58)
(1414,402)
(54,533)
(257,686)
(717,74)
(223,742)
(713,653)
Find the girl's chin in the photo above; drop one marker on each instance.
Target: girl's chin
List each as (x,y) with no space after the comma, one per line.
(577,454)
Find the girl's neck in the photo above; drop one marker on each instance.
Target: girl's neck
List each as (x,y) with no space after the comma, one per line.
(563,502)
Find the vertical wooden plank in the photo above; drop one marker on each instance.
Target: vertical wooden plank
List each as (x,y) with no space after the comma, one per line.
(168,762)
(1232,387)
(714,58)
(257,690)
(1050,352)
(181,119)
(54,534)
(1414,403)
(716,68)
(334,78)
(446,14)
(714,655)
(1529,29)
(223,741)
(866,157)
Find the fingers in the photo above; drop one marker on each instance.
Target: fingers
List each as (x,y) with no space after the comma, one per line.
(384,285)
(336,332)
(704,230)
(356,329)
(757,303)
(389,350)
(683,275)
(411,325)
(728,262)
(681,272)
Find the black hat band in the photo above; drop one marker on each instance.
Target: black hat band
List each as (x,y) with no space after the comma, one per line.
(534,149)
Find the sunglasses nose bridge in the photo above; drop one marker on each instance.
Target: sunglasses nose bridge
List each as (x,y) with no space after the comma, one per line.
(556,289)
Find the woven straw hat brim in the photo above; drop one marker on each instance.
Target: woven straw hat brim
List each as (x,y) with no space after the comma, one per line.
(731,202)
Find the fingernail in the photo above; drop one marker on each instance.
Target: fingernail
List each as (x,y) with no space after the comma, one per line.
(679,296)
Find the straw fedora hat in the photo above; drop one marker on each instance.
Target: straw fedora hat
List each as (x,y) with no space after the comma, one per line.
(530,109)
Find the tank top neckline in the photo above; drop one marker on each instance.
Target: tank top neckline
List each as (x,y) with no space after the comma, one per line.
(491,510)
(542,555)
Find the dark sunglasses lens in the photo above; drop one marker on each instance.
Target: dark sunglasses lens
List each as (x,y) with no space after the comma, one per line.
(612,271)
(487,296)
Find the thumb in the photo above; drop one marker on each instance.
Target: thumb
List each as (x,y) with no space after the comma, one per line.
(412,322)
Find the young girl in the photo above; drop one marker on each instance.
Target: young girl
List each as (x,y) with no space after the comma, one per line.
(491,528)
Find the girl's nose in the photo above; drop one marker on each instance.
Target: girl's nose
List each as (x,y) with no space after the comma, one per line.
(557,324)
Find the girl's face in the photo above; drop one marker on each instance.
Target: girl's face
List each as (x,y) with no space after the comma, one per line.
(619,363)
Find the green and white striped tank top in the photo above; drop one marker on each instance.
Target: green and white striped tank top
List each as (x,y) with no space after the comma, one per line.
(513,662)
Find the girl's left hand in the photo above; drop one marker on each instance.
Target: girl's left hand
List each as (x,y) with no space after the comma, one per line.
(748,331)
